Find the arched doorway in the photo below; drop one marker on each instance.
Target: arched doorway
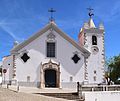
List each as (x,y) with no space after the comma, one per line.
(50,75)
(50,78)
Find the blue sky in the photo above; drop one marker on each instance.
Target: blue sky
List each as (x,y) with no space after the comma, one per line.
(19,19)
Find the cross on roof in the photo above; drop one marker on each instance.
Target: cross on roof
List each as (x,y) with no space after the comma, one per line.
(90,13)
(51,11)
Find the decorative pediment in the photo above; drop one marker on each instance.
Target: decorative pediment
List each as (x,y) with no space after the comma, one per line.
(50,65)
(51,36)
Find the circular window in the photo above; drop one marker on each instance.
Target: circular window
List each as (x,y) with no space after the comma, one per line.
(94,50)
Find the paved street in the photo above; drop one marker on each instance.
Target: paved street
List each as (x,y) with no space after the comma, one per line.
(9,95)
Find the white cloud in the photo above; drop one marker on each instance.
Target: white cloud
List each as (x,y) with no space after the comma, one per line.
(5,28)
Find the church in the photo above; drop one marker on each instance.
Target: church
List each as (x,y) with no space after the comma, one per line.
(50,58)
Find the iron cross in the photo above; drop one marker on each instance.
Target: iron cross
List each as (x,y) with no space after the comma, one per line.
(90,12)
(51,11)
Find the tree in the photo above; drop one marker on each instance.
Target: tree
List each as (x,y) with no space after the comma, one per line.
(114,68)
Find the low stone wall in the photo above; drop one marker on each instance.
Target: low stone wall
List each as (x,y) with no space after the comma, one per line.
(21,83)
(69,85)
(102,96)
(29,84)
(101,87)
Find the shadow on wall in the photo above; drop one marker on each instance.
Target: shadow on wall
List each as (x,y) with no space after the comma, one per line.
(37,80)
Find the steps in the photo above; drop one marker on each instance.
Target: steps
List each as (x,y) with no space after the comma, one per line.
(68,96)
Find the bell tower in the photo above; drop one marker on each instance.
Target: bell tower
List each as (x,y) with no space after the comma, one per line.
(92,38)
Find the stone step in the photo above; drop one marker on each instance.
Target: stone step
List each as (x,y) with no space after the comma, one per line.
(69,96)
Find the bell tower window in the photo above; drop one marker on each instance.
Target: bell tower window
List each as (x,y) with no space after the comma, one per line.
(94,40)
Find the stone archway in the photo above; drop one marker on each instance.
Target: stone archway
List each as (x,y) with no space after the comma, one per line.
(52,69)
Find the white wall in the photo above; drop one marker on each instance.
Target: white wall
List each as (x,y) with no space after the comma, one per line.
(37,52)
(102,96)
(8,65)
(95,61)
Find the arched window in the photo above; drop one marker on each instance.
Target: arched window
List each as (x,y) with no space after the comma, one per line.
(94,40)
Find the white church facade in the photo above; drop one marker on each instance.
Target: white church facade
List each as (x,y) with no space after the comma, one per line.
(50,58)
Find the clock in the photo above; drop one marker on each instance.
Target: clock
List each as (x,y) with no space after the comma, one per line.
(95,50)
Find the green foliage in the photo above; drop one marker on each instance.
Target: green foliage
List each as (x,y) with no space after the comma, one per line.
(114,68)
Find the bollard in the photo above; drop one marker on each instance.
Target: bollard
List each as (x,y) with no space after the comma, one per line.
(7,86)
(79,91)
(107,88)
(92,89)
(0,84)
(78,88)
(17,88)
